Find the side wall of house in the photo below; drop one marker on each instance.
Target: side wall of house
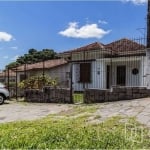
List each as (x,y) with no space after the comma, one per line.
(61,73)
(19,74)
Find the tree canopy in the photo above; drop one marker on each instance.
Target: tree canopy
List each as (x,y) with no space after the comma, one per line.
(34,56)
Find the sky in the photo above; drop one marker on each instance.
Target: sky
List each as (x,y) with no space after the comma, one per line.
(65,25)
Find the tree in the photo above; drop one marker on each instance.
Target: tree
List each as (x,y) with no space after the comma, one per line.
(34,56)
(12,65)
(32,51)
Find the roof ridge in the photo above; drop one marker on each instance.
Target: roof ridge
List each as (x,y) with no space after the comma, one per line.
(119,40)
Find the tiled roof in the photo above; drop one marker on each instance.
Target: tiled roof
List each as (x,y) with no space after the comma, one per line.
(5,73)
(122,45)
(47,65)
(92,46)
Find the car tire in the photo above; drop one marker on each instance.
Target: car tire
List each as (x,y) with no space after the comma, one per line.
(1,99)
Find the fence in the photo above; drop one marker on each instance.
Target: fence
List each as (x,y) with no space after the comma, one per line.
(96,66)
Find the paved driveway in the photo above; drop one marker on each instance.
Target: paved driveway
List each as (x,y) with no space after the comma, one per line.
(139,108)
(13,111)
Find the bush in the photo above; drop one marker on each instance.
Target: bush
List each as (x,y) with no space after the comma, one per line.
(37,82)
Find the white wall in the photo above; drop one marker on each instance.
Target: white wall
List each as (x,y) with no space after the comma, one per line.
(147,67)
(131,80)
(143,70)
(99,72)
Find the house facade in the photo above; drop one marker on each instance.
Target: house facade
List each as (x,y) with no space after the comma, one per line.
(99,66)
(57,69)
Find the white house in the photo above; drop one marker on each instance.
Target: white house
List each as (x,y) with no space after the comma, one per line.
(100,66)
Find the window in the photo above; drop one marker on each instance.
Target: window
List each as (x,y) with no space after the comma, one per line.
(22,77)
(85,72)
(67,75)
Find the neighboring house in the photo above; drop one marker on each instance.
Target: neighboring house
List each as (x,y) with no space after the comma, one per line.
(7,75)
(57,68)
(100,66)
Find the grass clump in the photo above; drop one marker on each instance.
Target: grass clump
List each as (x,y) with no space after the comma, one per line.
(78,97)
(69,134)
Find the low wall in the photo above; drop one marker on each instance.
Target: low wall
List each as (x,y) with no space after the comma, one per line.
(48,95)
(116,94)
(33,95)
(12,92)
(60,95)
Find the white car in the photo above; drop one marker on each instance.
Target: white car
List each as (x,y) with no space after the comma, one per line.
(4,93)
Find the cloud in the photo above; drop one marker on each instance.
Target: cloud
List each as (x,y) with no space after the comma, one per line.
(5,57)
(15,57)
(86,31)
(6,37)
(136,2)
(14,47)
(102,22)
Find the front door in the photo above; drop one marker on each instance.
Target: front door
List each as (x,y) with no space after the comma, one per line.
(121,75)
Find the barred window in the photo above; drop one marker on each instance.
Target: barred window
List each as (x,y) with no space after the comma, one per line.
(85,72)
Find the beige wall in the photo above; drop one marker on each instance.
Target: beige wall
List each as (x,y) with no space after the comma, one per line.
(60,73)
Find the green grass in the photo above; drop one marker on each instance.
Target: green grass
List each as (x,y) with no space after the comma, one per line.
(81,109)
(78,98)
(70,133)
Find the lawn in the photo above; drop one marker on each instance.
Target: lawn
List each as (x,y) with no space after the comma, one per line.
(69,131)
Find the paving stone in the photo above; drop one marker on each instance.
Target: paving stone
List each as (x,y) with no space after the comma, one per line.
(139,108)
(143,119)
(148,125)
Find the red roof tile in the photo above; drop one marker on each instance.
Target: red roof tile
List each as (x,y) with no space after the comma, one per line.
(5,73)
(47,65)
(122,45)
(92,46)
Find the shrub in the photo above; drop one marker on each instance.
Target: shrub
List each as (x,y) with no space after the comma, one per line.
(37,82)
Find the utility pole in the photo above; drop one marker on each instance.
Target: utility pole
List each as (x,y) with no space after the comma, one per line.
(148,47)
(148,25)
